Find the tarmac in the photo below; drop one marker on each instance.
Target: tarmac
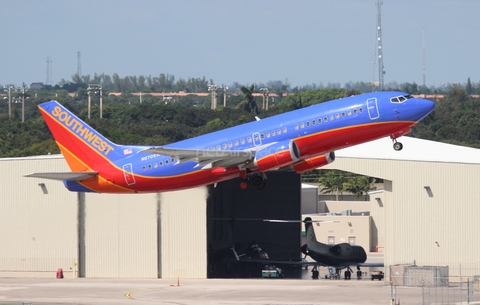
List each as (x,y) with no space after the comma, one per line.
(262,291)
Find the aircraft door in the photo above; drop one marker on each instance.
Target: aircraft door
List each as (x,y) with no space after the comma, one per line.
(128,173)
(372,107)
(257,140)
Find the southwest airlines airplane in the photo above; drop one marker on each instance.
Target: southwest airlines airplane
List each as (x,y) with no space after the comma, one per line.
(299,141)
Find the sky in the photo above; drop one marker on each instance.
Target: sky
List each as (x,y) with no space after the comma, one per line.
(301,42)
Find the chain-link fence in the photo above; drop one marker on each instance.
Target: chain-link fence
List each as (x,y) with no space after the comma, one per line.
(439,284)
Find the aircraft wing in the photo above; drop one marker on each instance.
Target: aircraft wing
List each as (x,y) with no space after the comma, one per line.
(217,158)
(304,262)
(68,176)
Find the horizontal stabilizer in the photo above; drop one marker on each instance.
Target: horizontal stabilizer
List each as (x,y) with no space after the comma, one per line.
(67,176)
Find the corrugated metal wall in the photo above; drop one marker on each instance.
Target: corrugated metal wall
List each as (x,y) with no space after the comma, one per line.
(437,225)
(183,234)
(38,224)
(121,236)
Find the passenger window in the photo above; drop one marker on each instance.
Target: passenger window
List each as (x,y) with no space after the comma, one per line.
(349,112)
(218,147)
(354,111)
(337,116)
(279,131)
(236,143)
(331,118)
(314,122)
(242,141)
(249,140)
(144,168)
(296,127)
(149,166)
(160,163)
(224,146)
(308,124)
(155,165)
(302,125)
(230,145)
(360,110)
(284,129)
(325,119)
(166,162)
(268,134)
(343,114)
(319,121)
(262,136)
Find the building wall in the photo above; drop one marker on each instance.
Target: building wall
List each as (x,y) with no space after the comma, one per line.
(38,223)
(43,228)
(437,225)
(183,234)
(120,236)
(343,229)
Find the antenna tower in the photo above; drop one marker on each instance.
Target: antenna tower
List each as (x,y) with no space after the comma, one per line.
(49,81)
(381,70)
(79,64)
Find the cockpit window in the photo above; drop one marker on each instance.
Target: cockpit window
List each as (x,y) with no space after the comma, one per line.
(401,98)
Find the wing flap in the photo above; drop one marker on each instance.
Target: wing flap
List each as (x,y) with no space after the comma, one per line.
(218,158)
(66,176)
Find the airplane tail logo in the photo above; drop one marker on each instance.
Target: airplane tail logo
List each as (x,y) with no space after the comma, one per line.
(82,146)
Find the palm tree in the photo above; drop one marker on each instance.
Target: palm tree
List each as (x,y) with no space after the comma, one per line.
(249,103)
(332,182)
(359,185)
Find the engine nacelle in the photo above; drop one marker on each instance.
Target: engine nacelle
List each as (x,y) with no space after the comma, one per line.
(313,163)
(277,155)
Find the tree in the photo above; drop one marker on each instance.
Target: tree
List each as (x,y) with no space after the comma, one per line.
(359,185)
(469,87)
(249,103)
(333,182)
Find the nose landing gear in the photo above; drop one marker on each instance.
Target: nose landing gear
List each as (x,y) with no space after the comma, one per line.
(397,145)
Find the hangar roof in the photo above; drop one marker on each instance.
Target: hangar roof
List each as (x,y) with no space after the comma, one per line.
(413,150)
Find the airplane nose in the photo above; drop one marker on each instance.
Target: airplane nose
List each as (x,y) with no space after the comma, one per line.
(425,106)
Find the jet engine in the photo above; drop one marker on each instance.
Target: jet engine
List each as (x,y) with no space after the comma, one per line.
(314,162)
(277,155)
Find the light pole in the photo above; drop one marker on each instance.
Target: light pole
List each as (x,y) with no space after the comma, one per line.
(95,89)
(214,89)
(225,96)
(265,98)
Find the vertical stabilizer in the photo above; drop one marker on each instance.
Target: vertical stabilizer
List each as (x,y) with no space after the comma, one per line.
(82,146)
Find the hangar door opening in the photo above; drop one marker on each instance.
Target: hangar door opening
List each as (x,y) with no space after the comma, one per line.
(234,225)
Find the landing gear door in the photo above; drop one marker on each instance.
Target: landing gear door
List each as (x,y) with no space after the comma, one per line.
(128,173)
(373,108)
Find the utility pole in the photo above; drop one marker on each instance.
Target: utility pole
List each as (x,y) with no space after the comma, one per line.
(23,102)
(10,101)
(265,98)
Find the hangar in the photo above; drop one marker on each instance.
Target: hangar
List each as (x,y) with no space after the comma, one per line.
(427,214)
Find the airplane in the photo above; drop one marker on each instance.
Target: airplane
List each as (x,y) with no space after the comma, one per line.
(336,257)
(299,140)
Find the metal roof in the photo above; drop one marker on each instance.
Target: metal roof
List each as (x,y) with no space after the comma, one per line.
(413,150)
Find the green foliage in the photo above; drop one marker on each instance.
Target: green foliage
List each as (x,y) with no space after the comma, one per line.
(310,97)
(359,185)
